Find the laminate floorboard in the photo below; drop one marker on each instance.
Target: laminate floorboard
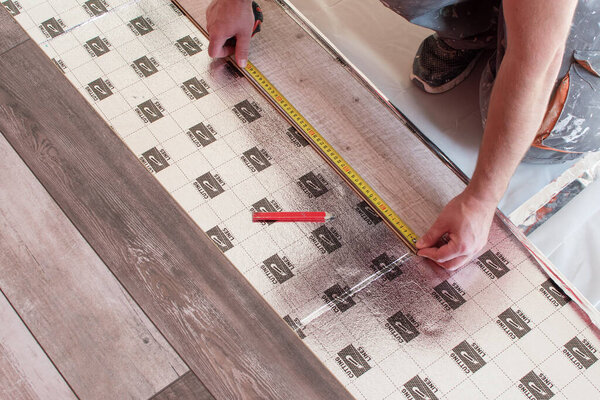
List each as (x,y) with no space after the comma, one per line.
(25,370)
(90,327)
(228,335)
(187,387)
(12,34)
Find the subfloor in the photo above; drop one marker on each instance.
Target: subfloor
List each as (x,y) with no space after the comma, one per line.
(382,45)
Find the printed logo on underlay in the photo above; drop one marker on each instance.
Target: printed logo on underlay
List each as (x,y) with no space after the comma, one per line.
(313,185)
(553,293)
(221,237)
(536,387)
(209,185)
(202,135)
(264,205)
(420,389)
(256,159)
(155,160)
(145,66)
(367,213)
(450,296)
(60,64)
(141,25)
(188,45)
(247,111)
(95,7)
(195,88)
(150,111)
(342,302)
(296,137)
(468,357)
(402,327)
(384,262)
(581,353)
(514,324)
(175,9)
(354,362)
(52,27)
(326,239)
(97,46)
(232,70)
(278,269)
(494,265)
(294,323)
(13,7)
(100,89)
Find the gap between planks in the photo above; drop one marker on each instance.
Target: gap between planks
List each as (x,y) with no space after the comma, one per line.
(90,328)
(26,371)
(186,387)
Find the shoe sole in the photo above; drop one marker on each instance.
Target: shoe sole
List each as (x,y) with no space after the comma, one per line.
(448,85)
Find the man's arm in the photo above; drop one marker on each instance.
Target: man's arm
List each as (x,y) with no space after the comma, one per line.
(536,34)
(227,19)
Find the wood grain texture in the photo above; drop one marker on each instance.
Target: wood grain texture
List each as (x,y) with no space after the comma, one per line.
(187,387)
(12,34)
(90,327)
(229,336)
(25,370)
(408,176)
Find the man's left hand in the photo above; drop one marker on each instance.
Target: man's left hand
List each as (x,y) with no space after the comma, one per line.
(466,222)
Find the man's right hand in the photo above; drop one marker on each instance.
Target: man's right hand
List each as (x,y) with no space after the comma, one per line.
(230,19)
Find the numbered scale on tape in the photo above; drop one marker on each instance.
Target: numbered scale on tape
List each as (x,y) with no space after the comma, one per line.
(333,157)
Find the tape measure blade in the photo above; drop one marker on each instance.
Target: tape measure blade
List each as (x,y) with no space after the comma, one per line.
(330,155)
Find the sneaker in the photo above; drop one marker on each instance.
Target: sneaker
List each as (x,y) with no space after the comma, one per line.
(438,67)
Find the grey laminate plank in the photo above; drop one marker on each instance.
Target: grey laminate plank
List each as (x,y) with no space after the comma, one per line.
(25,370)
(11,33)
(224,330)
(90,327)
(187,387)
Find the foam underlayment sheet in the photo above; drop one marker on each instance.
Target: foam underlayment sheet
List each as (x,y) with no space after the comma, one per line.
(497,328)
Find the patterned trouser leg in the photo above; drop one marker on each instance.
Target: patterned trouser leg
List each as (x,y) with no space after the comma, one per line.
(467,24)
(572,124)
(573,129)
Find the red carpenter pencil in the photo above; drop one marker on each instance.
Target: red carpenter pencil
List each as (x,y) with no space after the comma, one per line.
(310,216)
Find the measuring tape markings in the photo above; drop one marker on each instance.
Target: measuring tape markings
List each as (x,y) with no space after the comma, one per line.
(333,156)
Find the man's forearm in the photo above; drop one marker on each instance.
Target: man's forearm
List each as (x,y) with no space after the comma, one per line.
(536,34)
(522,90)
(517,107)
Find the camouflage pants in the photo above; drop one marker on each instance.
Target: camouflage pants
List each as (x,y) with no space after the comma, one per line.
(571,126)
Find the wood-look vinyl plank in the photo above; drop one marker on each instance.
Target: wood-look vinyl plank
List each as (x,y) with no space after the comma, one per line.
(90,327)
(187,387)
(228,335)
(12,34)
(25,370)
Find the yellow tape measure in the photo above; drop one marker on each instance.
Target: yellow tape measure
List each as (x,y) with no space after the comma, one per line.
(393,220)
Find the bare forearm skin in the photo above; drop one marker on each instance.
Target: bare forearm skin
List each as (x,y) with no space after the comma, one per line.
(521,92)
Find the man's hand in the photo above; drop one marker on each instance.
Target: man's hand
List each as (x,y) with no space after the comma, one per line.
(466,222)
(230,19)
